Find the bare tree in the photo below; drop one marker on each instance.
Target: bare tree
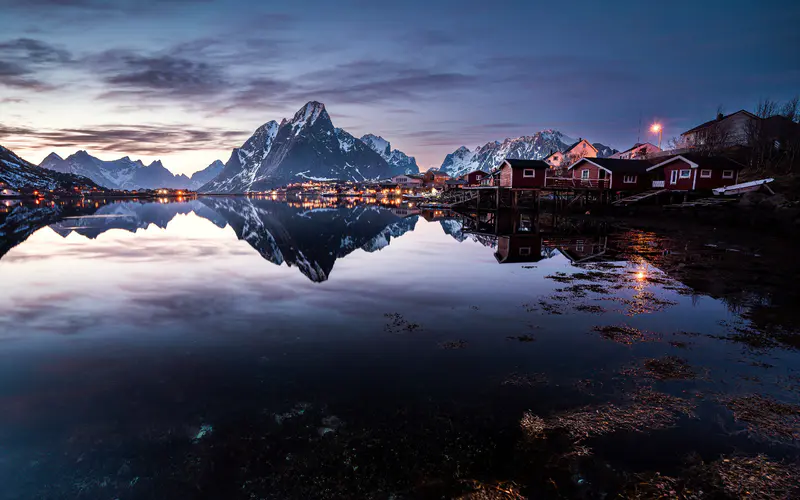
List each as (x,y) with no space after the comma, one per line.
(677,143)
(714,139)
(773,138)
(791,109)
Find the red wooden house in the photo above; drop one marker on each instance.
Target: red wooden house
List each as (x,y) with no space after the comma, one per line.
(693,172)
(522,174)
(434,178)
(474,178)
(611,173)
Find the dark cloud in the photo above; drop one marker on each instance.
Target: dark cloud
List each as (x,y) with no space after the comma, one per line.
(34,51)
(22,58)
(158,76)
(357,82)
(126,6)
(149,140)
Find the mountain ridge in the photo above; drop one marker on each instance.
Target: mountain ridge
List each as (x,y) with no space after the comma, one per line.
(19,173)
(526,147)
(307,146)
(126,174)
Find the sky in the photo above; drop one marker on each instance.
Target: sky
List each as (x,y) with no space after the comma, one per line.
(186,81)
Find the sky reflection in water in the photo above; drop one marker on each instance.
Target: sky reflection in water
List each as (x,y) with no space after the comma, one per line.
(149,324)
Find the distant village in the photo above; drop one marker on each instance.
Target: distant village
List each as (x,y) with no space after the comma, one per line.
(710,158)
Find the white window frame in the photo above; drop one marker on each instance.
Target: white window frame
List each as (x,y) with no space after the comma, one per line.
(531,170)
(525,251)
(728,174)
(705,173)
(629,179)
(674,176)
(585,174)
(688,173)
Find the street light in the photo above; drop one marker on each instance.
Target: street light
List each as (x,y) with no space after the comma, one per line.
(656,128)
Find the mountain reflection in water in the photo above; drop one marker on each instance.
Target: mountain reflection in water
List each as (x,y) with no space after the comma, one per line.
(148,350)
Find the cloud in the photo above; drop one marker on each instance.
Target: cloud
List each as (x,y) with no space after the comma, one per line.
(123,6)
(22,58)
(35,51)
(149,140)
(162,76)
(357,82)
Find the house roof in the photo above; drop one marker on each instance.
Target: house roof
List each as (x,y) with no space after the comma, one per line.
(455,182)
(696,160)
(438,173)
(475,172)
(551,154)
(576,145)
(638,145)
(717,120)
(616,165)
(525,163)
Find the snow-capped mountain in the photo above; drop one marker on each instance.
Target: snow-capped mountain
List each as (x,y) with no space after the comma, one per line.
(20,174)
(123,173)
(306,147)
(206,175)
(529,147)
(401,162)
(604,151)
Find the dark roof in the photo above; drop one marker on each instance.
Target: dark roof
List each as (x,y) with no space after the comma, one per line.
(455,182)
(435,171)
(717,120)
(579,141)
(475,172)
(712,162)
(616,165)
(526,163)
(638,145)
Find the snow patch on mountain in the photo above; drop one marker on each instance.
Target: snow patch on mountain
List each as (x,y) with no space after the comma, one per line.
(307,146)
(491,154)
(400,161)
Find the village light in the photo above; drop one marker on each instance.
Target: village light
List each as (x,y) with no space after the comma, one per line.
(656,128)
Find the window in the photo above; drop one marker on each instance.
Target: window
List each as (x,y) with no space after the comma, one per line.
(529,172)
(685,174)
(727,174)
(525,222)
(629,179)
(525,251)
(705,173)
(585,174)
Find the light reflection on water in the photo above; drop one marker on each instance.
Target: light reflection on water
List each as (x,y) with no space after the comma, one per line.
(133,328)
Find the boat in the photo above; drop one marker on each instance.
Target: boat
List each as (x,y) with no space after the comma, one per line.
(745,187)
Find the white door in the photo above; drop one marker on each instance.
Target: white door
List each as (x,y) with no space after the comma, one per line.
(673,177)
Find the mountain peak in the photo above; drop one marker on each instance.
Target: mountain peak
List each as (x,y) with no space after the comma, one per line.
(156,164)
(52,156)
(267,127)
(308,114)
(378,144)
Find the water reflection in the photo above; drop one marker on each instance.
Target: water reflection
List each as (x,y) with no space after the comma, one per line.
(149,349)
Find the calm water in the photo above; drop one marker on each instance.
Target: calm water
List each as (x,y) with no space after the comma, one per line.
(242,348)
